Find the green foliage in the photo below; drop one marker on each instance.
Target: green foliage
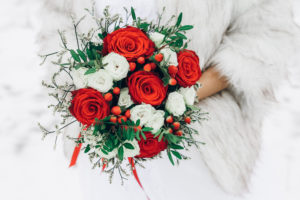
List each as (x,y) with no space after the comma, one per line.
(121,153)
(75,56)
(133,14)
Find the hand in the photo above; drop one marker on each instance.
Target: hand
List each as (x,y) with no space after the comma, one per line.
(212,82)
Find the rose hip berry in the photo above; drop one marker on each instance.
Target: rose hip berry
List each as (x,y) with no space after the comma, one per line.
(141,60)
(116,110)
(108,97)
(159,57)
(116,90)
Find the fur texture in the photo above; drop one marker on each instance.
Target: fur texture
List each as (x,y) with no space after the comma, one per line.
(249,42)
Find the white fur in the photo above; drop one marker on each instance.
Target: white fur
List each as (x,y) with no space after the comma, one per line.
(249,42)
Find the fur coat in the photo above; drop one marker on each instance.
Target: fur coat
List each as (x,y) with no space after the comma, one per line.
(249,42)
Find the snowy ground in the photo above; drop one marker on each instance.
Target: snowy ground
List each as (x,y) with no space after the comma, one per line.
(30,169)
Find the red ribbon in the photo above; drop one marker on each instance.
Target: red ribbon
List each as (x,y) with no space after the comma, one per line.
(75,153)
(131,162)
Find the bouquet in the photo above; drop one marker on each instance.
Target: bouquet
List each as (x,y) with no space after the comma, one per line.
(132,88)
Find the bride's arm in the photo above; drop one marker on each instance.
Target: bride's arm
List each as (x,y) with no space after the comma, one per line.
(211,82)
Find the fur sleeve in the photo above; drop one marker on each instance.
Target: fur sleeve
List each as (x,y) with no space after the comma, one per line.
(254,53)
(253,57)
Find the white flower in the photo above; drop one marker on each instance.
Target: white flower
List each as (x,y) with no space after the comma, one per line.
(125,98)
(170,57)
(100,80)
(175,104)
(117,66)
(142,112)
(157,38)
(189,95)
(79,79)
(132,152)
(156,121)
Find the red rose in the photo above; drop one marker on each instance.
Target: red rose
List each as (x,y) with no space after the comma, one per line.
(151,146)
(88,104)
(189,71)
(129,42)
(146,87)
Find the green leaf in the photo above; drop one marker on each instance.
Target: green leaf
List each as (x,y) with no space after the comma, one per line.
(181,35)
(90,71)
(138,135)
(133,14)
(128,146)
(77,66)
(144,26)
(175,146)
(160,137)
(87,148)
(105,152)
(101,36)
(166,80)
(143,135)
(170,157)
(175,153)
(90,54)
(138,122)
(74,55)
(121,153)
(82,55)
(186,27)
(179,19)
(147,129)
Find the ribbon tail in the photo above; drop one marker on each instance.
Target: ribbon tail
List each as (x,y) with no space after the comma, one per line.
(131,161)
(75,153)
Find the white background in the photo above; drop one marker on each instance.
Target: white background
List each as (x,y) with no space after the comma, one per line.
(30,169)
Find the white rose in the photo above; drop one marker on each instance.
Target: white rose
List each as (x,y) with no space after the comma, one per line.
(132,152)
(100,80)
(170,57)
(175,104)
(142,112)
(79,79)
(117,66)
(125,98)
(157,38)
(156,121)
(189,95)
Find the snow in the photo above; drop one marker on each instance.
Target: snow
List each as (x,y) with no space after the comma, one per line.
(31,169)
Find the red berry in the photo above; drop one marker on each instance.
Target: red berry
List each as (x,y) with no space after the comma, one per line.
(187,120)
(172,70)
(108,97)
(132,66)
(116,110)
(176,125)
(172,81)
(159,57)
(122,118)
(141,60)
(178,133)
(170,130)
(127,113)
(169,119)
(147,67)
(138,128)
(113,119)
(116,90)
(153,66)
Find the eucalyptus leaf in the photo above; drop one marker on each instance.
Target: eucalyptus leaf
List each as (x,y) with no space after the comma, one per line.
(175,153)
(133,14)
(170,157)
(90,71)
(74,55)
(186,27)
(87,148)
(179,19)
(82,55)
(121,153)
(128,146)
